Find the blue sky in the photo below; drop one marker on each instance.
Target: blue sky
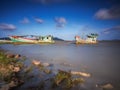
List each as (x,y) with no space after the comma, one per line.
(60,18)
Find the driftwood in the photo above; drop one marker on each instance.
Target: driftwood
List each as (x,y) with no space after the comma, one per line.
(80,73)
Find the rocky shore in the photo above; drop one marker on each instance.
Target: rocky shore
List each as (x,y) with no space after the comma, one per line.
(15,75)
(10,66)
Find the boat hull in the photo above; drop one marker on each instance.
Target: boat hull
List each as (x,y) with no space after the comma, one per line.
(28,40)
(86,42)
(19,39)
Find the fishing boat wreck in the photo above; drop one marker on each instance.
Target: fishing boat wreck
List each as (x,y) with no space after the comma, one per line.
(5,40)
(32,39)
(91,39)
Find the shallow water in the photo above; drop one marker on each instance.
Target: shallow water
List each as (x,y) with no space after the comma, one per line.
(102,60)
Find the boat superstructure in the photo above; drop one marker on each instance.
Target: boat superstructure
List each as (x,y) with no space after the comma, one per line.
(91,38)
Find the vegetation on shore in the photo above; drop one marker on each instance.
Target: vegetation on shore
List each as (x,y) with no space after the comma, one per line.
(64,80)
(9,65)
(13,74)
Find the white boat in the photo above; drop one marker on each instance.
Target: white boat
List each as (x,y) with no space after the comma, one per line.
(91,39)
(32,39)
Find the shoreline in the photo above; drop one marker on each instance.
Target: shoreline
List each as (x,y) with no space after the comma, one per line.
(43,68)
(59,42)
(45,74)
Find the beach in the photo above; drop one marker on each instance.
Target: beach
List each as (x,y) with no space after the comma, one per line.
(100,60)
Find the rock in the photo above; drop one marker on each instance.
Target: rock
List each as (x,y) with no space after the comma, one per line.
(17,56)
(11,67)
(107,86)
(12,84)
(36,62)
(13,56)
(10,55)
(5,87)
(45,64)
(16,69)
(80,73)
(47,71)
(66,64)
(8,86)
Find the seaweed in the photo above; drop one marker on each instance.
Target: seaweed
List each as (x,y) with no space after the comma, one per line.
(64,80)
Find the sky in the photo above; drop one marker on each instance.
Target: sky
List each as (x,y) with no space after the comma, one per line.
(60,18)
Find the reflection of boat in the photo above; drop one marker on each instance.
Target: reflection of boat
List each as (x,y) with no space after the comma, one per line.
(32,39)
(92,38)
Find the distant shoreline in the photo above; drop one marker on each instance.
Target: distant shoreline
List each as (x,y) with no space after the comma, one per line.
(56,42)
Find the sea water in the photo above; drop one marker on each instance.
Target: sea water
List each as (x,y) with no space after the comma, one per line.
(101,60)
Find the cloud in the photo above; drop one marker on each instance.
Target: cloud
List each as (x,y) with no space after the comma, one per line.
(112,29)
(60,22)
(38,20)
(112,13)
(4,26)
(25,21)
